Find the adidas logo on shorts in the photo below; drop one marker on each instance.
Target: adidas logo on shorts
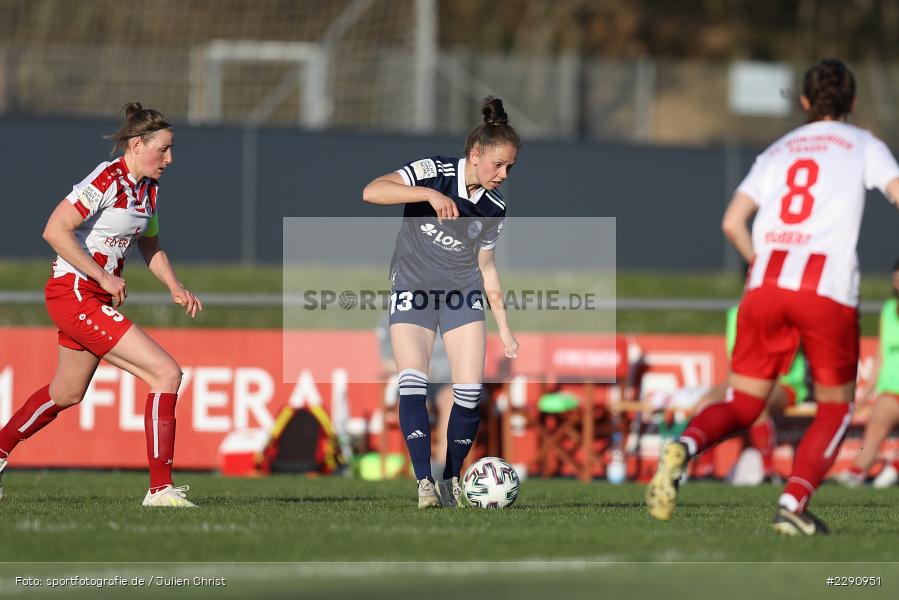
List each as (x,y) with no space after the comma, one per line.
(465,442)
(416,434)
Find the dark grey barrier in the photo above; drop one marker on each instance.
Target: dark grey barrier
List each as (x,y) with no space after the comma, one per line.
(668,201)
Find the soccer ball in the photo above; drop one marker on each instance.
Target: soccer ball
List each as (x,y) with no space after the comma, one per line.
(491,483)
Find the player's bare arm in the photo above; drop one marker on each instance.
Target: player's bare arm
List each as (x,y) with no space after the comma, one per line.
(158,263)
(494,292)
(893,192)
(59,233)
(735,224)
(390,189)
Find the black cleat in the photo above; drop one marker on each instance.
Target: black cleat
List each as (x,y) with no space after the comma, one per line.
(786,522)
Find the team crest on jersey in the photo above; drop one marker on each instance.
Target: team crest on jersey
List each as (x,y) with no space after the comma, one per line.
(474,229)
(424,169)
(90,196)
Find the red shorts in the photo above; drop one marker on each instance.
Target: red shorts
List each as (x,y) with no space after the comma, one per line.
(771,322)
(84,314)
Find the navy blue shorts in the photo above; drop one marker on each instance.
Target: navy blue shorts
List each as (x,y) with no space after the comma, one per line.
(445,309)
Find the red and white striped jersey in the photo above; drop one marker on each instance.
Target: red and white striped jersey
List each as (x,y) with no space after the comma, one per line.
(810,190)
(116,210)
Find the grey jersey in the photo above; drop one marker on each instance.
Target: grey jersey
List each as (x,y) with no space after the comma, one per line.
(445,254)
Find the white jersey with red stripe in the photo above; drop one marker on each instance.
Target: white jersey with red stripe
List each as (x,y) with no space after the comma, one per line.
(116,209)
(810,190)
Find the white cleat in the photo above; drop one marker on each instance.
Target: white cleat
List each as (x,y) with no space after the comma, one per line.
(2,466)
(661,493)
(887,477)
(427,495)
(169,497)
(450,493)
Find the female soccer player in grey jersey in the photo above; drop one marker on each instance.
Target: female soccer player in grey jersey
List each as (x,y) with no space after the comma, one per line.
(442,267)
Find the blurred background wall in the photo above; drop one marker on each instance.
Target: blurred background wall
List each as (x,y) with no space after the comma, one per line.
(287,108)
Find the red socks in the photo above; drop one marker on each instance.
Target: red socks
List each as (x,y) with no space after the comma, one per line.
(37,412)
(762,437)
(159,426)
(816,453)
(717,421)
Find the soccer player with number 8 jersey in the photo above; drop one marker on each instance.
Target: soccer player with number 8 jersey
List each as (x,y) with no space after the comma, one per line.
(93,230)
(807,193)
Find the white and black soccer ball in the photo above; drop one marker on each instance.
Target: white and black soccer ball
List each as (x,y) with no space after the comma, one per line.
(491,482)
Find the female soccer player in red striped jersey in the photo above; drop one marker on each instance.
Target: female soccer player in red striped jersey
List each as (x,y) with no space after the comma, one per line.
(807,193)
(93,230)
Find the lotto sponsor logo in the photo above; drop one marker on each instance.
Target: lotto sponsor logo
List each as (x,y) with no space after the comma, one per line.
(441,238)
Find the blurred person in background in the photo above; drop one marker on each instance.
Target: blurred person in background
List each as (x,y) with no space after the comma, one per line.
(93,230)
(884,415)
(807,193)
(441,270)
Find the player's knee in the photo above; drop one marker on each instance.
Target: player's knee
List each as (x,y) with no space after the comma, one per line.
(63,396)
(168,377)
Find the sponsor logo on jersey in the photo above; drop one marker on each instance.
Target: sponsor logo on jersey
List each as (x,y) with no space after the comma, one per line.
(123,242)
(476,305)
(114,242)
(787,238)
(424,169)
(441,238)
(474,229)
(90,196)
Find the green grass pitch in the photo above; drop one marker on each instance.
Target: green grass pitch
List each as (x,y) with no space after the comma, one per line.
(292,536)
